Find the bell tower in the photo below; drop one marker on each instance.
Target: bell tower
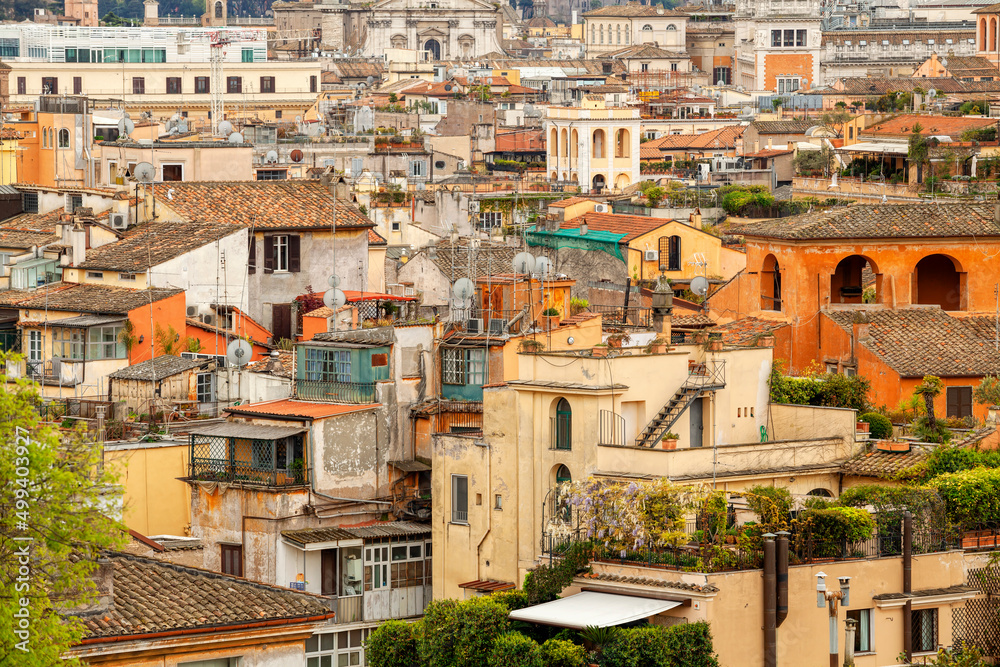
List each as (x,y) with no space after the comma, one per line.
(84,10)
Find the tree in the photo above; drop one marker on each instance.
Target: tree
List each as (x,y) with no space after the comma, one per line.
(596,4)
(52,529)
(929,389)
(835,121)
(654,195)
(393,98)
(988,391)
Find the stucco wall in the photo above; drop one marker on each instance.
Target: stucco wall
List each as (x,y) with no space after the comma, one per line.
(156,501)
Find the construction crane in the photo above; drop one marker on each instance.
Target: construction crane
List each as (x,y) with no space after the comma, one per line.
(218,41)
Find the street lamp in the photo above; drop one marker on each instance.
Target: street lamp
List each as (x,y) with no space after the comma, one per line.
(830,599)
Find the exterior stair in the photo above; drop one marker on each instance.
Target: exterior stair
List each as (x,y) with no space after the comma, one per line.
(667,416)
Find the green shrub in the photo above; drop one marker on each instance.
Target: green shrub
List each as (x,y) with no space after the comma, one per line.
(457,634)
(686,645)
(512,599)
(392,644)
(771,504)
(971,497)
(515,650)
(546,582)
(948,459)
(562,653)
(879,426)
(831,527)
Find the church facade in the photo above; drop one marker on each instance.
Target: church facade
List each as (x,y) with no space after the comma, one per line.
(439,30)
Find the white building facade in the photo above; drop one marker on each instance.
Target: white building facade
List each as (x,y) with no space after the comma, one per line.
(596,147)
(441,30)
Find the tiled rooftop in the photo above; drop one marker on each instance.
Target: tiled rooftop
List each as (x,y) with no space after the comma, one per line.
(292,408)
(952,126)
(797,126)
(86,298)
(151,596)
(461,261)
(295,204)
(163,366)
(22,239)
(632,226)
(923,341)
(747,330)
(883,465)
(881,221)
(153,243)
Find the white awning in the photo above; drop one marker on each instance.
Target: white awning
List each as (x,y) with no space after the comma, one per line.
(876,147)
(597,609)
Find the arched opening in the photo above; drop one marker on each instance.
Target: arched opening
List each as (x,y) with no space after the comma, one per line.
(618,34)
(398,41)
(433,48)
(574,146)
(993,34)
(592,33)
(820,493)
(622,181)
(856,280)
(671,27)
(554,143)
(555,176)
(598,182)
(982,34)
(597,150)
(770,284)
(563,475)
(628,33)
(937,281)
(602,34)
(623,143)
(64,138)
(564,146)
(562,430)
(45,138)
(218,10)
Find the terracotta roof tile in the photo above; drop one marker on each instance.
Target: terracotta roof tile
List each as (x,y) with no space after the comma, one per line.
(745,331)
(797,126)
(564,203)
(293,204)
(151,596)
(153,243)
(952,126)
(23,239)
(922,341)
(292,408)
(375,239)
(881,221)
(884,465)
(156,369)
(88,298)
(280,366)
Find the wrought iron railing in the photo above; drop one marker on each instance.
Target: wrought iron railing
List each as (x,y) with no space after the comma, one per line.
(711,373)
(242,461)
(561,432)
(459,418)
(336,392)
(620,316)
(611,428)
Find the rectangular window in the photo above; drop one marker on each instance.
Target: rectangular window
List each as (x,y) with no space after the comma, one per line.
(173,85)
(862,629)
(103,343)
(463,366)
(959,401)
(336,649)
(800,38)
(775,38)
(924,629)
(490,219)
(22,86)
(172,172)
(277,114)
(476,367)
(129,277)
(644,67)
(280,245)
(73,202)
(34,345)
(201,85)
(248,55)
(673,67)
(789,38)
(205,386)
(377,568)
(357,166)
(95,275)
(272,174)
(267,84)
(67,343)
(459,499)
(29,200)
(50,85)
(232,559)
(312,84)
(10,47)
(328,365)
(418,168)
(138,85)
(234,84)
(77,85)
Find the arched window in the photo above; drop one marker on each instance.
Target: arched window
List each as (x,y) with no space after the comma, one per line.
(597,151)
(593,30)
(618,35)
(671,27)
(564,147)
(993,34)
(574,146)
(628,32)
(554,143)
(45,138)
(647,28)
(770,284)
(602,34)
(218,10)
(820,493)
(64,138)
(674,255)
(563,475)
(563,426)
(982,34)
(623,143)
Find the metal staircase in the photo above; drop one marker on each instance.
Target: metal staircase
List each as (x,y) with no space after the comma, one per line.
(701,378)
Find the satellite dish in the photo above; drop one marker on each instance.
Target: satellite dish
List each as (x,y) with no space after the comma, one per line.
(296,155)
(543,266)
(125,126)
(528,109)
(225,128)
(931,93)
(720,82)
(238,352)
(236,138)
(463,288)
(298,119)
(334,298)
(333,281)
(805,83)
(271,157)
(524,262)
(144,172)
(699,285)
(370,80)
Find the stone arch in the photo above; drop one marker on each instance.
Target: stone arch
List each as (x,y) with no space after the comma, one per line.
(982,34)
(623,143)
(820,492)
(938,280)
(770,284)
(398,41)
(599,141)
(622,181)
(466,44)
(598,182)
(554,143)
(564,143)
(433,49)
(554,176)
(218,9)
(671,27)
(853,275)
(574,146)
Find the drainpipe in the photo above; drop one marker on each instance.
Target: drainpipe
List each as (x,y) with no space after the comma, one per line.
(781,572)
(489,509)
(770,603)
(908,584)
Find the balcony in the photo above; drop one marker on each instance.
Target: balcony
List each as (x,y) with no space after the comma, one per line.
(336,392)
(620,316)
(459,418)
(251,454)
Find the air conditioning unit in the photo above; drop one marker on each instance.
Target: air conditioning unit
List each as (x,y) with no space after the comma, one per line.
(601,208)
(192,311)
(651,255)
(119,221)
(208,318)
(475,325)
(498,327)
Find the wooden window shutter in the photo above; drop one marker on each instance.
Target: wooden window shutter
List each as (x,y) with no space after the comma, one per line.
(268,254)
(252,256)
(953,402)
(293,253)
(965,401)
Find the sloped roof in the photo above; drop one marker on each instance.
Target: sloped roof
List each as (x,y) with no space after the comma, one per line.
(884,465)
(151,596)
(923,341)
(633,9)
(952,126)
(746,330)
(796,126)
(644,51)
(156,369)
(631,226)
(541,22)
(881,221)
(89,298)
(374,238)
(291,204)
(23,239)
(153,243)
(287,407)
(970,66)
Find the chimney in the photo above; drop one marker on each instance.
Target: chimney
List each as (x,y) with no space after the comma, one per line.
(860,329)
(663,307)
(151,13)
(694,219)
(78,241)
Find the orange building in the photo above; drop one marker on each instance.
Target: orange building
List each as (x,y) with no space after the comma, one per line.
(233,323)
(987,43)
(918,274)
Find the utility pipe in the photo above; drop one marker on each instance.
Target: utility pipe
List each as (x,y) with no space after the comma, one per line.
(782,577)
(908,584)
(770,603)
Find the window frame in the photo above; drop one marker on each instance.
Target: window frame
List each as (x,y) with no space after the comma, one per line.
(267,84)
(202,85)
(175,85)
(99,338)
(63,138)
(279,249)
(235,551)
(205,387)
(69,344)
(863,617)
(138,85)
(234,85)
(915,622)
(460,516)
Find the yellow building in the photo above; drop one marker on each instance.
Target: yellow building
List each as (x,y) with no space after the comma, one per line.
(9,140)
(156,501)
(594,146)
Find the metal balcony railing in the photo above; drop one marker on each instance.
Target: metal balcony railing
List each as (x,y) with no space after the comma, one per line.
(712,373)
(611,428)
(619,316)
(336,392)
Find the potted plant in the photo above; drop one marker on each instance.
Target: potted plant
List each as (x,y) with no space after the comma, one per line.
(600,350)
(616,340)
(550,318)
(669,440)
(657,346)
(988,394)
(714,344)
(531,346)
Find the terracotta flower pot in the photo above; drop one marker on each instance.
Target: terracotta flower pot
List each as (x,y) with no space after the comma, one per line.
(670,443)
(600,351)
(658,348)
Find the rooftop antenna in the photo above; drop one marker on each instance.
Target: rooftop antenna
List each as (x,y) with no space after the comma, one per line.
(238,352)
